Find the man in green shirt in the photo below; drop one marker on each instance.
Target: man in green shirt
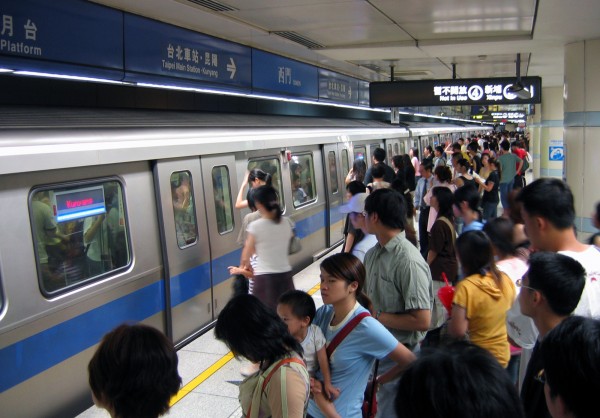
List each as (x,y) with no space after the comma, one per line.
(398,282)
(510,165)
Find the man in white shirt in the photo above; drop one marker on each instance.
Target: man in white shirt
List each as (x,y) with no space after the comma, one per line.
(549,214)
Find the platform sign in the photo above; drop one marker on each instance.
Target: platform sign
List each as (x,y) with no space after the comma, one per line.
(475,91)
(337,88)
(283,75)
(79,203)
(39,35)
(556,150)
(160,49)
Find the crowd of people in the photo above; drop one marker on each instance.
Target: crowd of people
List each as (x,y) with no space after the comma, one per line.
(519,338)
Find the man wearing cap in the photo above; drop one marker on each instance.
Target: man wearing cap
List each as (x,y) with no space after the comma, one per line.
(398,282)
(356,208)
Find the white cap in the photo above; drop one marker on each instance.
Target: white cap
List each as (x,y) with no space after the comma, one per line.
(355,204)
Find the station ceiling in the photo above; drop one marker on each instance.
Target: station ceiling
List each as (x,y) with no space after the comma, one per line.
(419,39)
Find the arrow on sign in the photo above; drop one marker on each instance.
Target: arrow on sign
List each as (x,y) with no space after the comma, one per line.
(231,67)
(350,92)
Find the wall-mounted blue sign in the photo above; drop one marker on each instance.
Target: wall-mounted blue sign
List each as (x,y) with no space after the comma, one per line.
(156,48)
(556,153)
(337,88)
(40,35)
(282,75)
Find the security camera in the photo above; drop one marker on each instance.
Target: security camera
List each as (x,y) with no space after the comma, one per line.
(519,90)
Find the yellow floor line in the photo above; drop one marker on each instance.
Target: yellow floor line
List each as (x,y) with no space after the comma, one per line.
(201,378)
(215,367)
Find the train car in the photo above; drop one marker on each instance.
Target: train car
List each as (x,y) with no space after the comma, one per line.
(112,216)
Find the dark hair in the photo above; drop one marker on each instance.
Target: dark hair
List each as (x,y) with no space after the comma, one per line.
(257,173)
(407,162)
(559,278)
(440,149)
(550,199)
(429,148)
(467,193)
(379,155)
(457,156)
(505,145)
(415,152)
(473,146)
(378,171)
(250,199)
(398,162)
(456,146)
(458,380)
(251,330)
(302,303)
(570,354)
(463,162)
(476,255)
(445,199)
(500,231)
(267,196)
(355,187)
(347,267)
(389,206)
(133,372)
(359,168)
(443,173)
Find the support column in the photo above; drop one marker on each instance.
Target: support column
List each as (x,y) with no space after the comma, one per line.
(551,139)
(582,129)
(534,124)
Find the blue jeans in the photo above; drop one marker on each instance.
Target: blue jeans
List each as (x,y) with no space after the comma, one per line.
(505,189)
(490,210)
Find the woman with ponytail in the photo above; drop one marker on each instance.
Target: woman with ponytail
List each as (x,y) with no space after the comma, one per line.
(269,238)
(342,281)
(482,298)
(254,178)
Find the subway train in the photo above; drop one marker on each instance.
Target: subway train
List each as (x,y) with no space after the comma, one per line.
(111,216)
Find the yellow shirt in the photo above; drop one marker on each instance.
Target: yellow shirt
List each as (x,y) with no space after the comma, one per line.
(486,305)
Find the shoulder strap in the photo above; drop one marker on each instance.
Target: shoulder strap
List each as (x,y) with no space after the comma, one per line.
(272,372)
(447,222)
(339,337)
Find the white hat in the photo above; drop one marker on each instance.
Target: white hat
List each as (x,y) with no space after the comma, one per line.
(355,204)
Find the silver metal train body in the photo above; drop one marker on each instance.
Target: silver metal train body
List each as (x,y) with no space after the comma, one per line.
(159,188)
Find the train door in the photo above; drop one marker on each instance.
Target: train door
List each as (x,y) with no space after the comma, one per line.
(186,252)
(224,223)
(332,156)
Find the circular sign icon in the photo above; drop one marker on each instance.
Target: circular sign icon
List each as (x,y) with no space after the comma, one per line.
(475,92)
(507,94)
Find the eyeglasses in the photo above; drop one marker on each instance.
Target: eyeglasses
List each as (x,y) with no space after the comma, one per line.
(541,377)
(519,283)
(363,213)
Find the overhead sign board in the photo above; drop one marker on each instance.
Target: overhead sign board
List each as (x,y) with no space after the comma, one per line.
(475,91)
(40,35)
(79,203)
(278,74)
(337,88)
(156,48)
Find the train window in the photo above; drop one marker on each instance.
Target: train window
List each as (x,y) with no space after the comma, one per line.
(360,153)
(223,202)
(272,167)
(372,148)
(333,174)
(184,212)
(79,233)
(345,161)
(396,149)
(302,174)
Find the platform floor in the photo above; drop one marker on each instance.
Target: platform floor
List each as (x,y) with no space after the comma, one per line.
(210,374)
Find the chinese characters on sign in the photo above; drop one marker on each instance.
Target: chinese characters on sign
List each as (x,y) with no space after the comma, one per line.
(13,31)
(190,60)
(284,76)
(476,92)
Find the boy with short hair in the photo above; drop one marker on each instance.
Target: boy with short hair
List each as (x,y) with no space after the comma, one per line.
(297,309)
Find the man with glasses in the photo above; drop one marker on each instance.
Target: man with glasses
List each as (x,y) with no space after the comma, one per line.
(398,282)
(550,291)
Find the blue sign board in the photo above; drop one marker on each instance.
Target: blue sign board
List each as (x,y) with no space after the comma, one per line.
(282,75)
(338,88)
(41,35)
(556,153)
(159,49)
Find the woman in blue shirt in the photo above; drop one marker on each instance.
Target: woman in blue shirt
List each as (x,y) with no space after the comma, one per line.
(342,280)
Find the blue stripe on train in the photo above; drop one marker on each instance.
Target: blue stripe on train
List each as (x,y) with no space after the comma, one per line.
(33,355)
